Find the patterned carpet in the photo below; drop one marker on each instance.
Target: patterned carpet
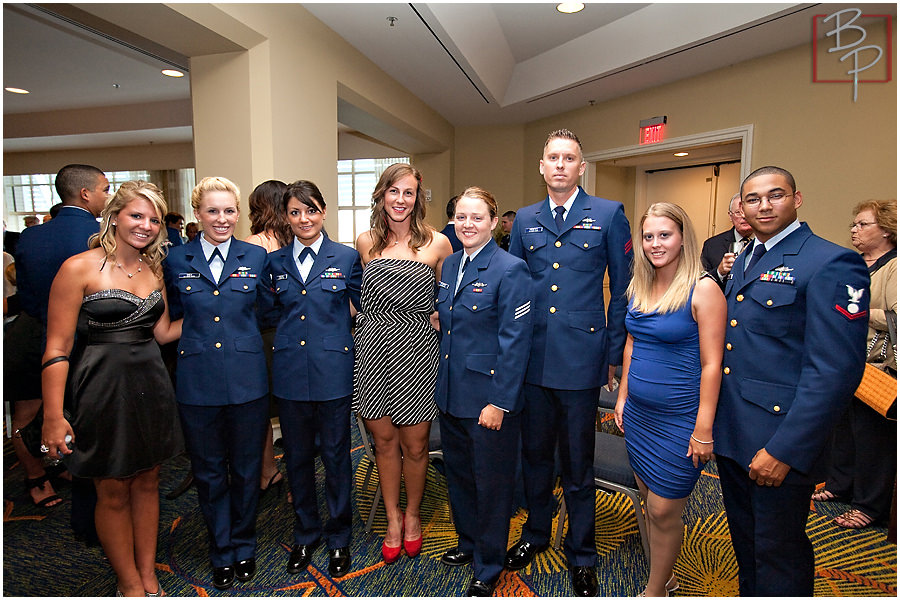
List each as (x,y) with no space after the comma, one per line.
(41,557)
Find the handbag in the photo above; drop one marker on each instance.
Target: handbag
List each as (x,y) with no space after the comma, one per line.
(32,433)
(878,389)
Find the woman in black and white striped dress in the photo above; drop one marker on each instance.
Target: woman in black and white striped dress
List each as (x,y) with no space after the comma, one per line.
(396,348)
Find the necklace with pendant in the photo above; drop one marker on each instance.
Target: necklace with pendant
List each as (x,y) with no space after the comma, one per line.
(130,275)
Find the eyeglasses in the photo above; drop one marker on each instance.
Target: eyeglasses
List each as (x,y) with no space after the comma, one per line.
(861,224)
(774,198)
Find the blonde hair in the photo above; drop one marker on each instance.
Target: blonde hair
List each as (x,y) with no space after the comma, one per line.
(686,275)
(421,233)
(154,253)
(214,184)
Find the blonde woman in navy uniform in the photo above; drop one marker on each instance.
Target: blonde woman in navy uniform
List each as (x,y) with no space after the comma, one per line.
(315,280)
(221,384)
(484,305)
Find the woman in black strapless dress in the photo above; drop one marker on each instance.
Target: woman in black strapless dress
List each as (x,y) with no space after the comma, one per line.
(112,299)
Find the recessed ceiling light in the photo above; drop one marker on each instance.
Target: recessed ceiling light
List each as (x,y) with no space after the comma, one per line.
(681,154)
(570,7)
(17,90)
(172,73)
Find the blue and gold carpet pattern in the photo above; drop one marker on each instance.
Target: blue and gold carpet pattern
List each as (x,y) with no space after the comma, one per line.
(41,557)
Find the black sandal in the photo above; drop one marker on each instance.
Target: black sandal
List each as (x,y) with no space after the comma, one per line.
(38,482)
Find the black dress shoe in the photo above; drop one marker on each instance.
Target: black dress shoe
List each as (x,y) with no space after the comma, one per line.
(245,569)
(223,577)
(521,554)
(584,581)
(339,561)
(481,588)
(456,557)
(300,556)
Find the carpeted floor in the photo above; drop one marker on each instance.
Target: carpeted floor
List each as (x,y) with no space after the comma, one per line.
(41,557)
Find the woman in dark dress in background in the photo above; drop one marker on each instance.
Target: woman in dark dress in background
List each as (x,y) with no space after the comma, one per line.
(125,421)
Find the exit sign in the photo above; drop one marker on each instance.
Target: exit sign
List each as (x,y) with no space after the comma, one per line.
(652,130)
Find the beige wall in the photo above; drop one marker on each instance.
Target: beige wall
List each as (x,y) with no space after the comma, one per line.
(492,158)
(839,151)
(156,157)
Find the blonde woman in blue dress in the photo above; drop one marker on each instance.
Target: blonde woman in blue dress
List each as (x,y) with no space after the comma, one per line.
(671,372)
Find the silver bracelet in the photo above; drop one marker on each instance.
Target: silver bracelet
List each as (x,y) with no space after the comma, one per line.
(701,441)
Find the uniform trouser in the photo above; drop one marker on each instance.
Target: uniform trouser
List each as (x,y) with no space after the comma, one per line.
(768,532)
(563,420)
(225,446)
(480,468)
(300,422)
(863,455)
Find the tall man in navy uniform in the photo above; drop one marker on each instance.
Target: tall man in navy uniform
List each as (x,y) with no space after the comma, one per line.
(795,353)
(569,240)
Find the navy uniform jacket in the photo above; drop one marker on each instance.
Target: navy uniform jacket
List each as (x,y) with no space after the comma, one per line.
(313,352)
(220,354)
(574,340)
(42,250)
(485,333)
(450,231)
(794,354)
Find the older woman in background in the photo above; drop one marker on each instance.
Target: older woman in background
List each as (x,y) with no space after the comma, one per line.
(864,445)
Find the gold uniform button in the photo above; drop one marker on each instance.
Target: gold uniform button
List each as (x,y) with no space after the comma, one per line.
(446,356)
(218,344)
(592,330)
(585,245)
(302,342)
(346,349)
(216,319)
(727,370)
(555,265)
(734,322)
(768,303)
(451,308)
(448,332)
(492,371)
(531,247)
(187,288)
(215,292)
(728,345)
(302,292)
(552,309)
(776,408)
(334,287)
(182,352)
(302,317)
(246,287)
(554,287)
(740,298)
(474,307)
(558,243)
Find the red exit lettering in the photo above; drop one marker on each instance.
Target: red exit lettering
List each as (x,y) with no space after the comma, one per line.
(652,134)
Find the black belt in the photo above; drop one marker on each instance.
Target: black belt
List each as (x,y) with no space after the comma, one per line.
(125,336)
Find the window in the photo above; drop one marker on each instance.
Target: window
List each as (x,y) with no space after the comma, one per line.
(356,182)
(33,195)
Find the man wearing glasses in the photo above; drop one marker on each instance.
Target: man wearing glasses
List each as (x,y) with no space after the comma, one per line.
(795,352)
(720,251)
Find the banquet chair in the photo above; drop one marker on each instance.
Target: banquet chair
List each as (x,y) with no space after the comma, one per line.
(612,473)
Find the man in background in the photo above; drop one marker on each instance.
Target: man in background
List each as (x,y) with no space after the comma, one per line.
(449,230)
(506,224)
(174,223)
(718,252)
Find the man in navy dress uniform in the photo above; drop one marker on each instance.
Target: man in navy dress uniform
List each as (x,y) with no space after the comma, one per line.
(569,240)
(794,354)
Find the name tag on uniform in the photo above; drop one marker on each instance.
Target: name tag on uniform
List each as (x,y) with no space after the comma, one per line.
(446,286)
(280,277)
(189,276)
(534,230)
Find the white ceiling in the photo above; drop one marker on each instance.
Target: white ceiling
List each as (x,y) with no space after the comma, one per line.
(473,63)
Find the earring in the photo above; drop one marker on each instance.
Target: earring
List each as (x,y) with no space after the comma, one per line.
(114,224)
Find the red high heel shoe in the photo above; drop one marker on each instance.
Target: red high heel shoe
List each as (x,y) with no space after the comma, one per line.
(390,553)
(412,547)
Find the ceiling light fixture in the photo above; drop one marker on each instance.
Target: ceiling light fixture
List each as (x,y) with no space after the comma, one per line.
(17,90)
(681,154)
(172,73)
(570,7)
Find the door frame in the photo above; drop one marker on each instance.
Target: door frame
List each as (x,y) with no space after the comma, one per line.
(742,133)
